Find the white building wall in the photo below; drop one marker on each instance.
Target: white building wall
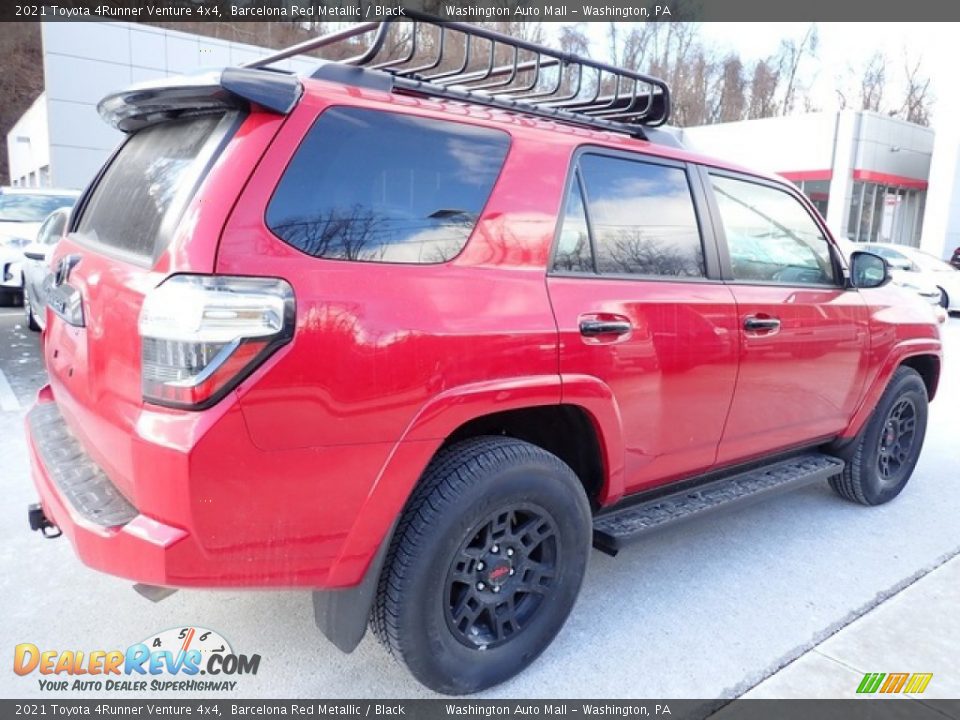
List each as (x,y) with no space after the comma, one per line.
(782,144)
(28,147)
(941,225)
(83,62)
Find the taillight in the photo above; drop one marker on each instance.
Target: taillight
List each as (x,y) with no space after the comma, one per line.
(201,335)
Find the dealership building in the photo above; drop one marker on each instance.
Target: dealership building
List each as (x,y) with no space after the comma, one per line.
(873,177)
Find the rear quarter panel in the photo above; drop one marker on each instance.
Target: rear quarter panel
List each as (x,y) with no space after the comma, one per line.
(374,341)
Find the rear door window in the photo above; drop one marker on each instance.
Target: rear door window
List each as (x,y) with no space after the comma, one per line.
(138,201)
(374,186)
(641,217)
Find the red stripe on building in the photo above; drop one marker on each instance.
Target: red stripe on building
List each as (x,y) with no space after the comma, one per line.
(888,179)
(808,175)
(870,176)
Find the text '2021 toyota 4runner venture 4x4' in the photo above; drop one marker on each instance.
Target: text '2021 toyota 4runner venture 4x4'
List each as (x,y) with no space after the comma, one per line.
(413,334)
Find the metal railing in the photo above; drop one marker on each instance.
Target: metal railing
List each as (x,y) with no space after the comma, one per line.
(474,64)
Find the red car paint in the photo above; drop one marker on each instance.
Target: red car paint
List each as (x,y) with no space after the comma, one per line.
(296,476)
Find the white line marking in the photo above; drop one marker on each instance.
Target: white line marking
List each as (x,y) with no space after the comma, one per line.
(8,401)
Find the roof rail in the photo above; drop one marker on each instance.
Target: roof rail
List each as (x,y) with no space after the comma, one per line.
(475,64)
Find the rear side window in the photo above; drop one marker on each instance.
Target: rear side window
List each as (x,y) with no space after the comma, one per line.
(573,246)
(382,187)
(771,236)
(138,202)
(641,216)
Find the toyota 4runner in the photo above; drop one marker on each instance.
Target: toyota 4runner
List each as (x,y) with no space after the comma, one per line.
(414,334)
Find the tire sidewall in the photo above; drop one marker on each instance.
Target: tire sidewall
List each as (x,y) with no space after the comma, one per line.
(437,657)
(910,386)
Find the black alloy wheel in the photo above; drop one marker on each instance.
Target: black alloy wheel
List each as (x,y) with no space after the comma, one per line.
(501,575)
(897,440)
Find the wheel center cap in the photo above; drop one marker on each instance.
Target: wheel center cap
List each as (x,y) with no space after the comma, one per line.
(498,573)
(889,437)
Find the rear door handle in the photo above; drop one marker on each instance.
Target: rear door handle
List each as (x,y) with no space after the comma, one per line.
(592,328)
(752,323)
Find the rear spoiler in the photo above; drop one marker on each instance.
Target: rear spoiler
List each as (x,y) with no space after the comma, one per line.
(187,96)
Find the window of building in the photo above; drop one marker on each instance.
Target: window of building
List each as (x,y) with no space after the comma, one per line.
(770,235)
(642,218)
(885,213)
(382,187)
(818,192)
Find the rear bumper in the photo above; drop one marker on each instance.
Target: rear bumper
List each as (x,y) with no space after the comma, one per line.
(243,517)
(107,532)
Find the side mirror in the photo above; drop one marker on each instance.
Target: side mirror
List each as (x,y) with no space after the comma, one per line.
(868,270)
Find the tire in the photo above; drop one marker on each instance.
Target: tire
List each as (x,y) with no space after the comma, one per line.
(944,299)
(491,518)
(28,311)
(878,465)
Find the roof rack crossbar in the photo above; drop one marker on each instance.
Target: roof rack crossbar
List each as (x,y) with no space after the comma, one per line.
(401,60)
(441,40)
(456,71)
(548,92)
(535,79)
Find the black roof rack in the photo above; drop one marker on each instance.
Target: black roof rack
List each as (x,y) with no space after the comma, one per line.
(475,64)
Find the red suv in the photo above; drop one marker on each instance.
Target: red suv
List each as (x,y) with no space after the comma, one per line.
(415,336)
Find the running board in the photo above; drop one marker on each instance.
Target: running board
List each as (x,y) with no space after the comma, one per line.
(613,530)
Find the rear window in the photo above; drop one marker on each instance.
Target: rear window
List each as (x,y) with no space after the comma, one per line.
(143,192)
(381,187)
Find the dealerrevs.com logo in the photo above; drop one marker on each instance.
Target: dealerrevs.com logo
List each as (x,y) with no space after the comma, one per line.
(173,660)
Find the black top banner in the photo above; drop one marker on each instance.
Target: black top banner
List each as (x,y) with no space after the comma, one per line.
(859,11)
(466,709)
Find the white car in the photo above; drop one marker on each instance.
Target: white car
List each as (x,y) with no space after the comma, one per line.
(21,212)
(37,275)
(921,269)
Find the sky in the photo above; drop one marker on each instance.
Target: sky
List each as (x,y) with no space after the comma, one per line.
(846,46)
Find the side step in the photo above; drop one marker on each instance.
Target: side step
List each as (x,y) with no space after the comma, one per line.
(613,530)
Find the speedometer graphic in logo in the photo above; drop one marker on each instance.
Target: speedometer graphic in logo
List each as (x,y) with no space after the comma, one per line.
(184,639)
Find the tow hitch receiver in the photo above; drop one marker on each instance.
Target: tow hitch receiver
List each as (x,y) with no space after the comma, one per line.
(39,521)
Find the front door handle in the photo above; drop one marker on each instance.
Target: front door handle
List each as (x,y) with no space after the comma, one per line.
(753,323)
(592,328)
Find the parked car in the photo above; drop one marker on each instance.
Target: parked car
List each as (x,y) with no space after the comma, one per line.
(37,277)
(416,349)
(955,259)
(911,283)
(924,270)
(21,212)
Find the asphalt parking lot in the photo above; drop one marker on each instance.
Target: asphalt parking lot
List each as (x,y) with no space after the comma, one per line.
(707,610)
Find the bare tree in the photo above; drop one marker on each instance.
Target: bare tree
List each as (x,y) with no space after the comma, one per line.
(789,59)
(763,90)
(732,101)
(917,96)
(21,81)
(873,82)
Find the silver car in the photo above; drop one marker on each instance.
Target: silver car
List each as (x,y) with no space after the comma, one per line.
(920,268)
(21,212)
(37,276)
